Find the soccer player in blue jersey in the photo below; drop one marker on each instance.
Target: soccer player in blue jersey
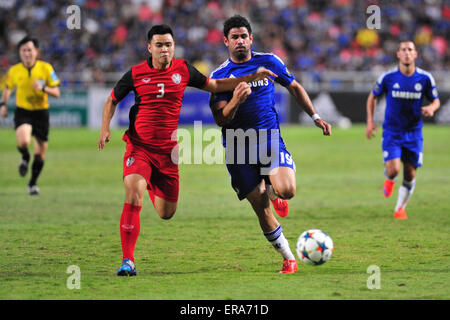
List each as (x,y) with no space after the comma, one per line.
(404,86)
(260,167)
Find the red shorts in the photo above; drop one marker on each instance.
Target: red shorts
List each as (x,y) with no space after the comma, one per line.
(158,169)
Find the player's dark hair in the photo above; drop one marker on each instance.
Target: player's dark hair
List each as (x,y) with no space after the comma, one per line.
(28,39)
(158,29)
(236,21)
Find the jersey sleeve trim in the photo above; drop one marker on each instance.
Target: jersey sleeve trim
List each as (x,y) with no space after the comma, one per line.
(206,83)
(113,96)
(223,65)
(123,87)
(274,63)
(196,78)
(378,89)
(429,75)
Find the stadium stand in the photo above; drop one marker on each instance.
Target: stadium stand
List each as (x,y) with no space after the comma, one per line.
(311,36)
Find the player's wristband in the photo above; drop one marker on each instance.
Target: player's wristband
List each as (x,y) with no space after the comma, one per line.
(315,116)
(43,88)
(2,104)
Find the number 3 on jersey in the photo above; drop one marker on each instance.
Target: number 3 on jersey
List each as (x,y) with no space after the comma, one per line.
(161,90)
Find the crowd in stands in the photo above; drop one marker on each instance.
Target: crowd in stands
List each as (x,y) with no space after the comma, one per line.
(309,35)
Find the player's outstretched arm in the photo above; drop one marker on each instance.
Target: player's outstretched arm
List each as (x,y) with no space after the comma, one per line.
(108,112)
(4,108)
(371,128)
(224,111)
(302,98)
(429,110)
(228,84)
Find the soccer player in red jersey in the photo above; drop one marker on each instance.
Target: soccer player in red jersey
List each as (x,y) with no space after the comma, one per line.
(158,85)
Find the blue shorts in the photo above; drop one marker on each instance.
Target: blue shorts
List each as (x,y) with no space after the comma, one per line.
(406,145)
(246,175)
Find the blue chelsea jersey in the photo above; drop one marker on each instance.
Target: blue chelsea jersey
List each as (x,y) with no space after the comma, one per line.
(258,111)
(404,95)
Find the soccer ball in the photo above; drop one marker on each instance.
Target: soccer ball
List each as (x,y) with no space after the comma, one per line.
(314,247)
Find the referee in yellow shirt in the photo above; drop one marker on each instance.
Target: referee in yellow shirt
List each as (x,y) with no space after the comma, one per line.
(34,80)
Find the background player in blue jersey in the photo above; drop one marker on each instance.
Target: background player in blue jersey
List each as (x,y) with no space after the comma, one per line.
(404,86)
(250,128)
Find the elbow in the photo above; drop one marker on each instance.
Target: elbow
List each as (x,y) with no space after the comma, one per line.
(111,102)
(221,119)
(220,122)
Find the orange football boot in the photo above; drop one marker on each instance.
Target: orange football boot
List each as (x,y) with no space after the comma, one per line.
(281,207)
(400,214)
(388,188)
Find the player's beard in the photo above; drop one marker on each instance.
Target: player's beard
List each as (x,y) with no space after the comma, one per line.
(165,60)
(241,54)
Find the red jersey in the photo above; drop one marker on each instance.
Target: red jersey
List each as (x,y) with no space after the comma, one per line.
(158,95)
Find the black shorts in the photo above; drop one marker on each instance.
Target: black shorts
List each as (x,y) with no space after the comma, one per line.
(38,119)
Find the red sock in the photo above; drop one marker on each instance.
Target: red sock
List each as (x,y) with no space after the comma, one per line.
(130,225)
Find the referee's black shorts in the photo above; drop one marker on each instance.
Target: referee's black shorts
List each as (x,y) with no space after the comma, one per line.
(38,119)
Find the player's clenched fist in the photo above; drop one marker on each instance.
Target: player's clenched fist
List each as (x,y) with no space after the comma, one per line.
(103,139)
(428,111)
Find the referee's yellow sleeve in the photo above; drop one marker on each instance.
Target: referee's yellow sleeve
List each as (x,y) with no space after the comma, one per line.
(9,80)
(52,79)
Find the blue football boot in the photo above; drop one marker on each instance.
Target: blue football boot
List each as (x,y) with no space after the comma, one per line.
(127,269)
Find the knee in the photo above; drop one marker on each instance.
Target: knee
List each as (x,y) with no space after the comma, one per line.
(23,140)
(166,213)
(409,173)
(135,187)
(165,210)
(393,172)
(286,192)
(23,143)
(134,196)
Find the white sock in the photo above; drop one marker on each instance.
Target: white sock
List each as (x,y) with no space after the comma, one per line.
(404,193)
(280,243)
(271,193)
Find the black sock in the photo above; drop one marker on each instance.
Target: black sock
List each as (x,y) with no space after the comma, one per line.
(25,153)
(36,169)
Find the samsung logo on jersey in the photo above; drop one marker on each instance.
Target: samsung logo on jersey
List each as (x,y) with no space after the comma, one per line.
(406,94)
(259,83)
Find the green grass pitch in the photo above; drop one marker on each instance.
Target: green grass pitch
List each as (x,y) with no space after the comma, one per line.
(213,247)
